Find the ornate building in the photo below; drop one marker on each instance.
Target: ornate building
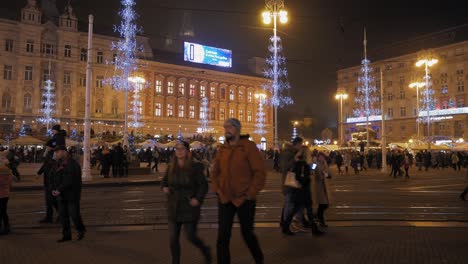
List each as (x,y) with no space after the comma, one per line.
(34,52)
(448,76)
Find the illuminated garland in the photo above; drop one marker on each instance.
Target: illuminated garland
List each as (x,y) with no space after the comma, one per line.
(204,117)
(260,125)
(366,92)
(427,100)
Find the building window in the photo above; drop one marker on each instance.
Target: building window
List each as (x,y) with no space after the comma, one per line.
(83,80)
(241,95)
(249,97)
(444,89)
(461,86)
(67,78)
(181,89)
(401,65)
(48,49)
(9,45)
(192,112)
(223,94)
(115,107)
(213,92)
(415,112)
(390,96)
(181,111)
(460,102)
(158,86)
(202,113)
(389,67)
(99,81)
(46,75)
(458,51)
(99,106)
(202,91)
(83,55)
(170,87)
(231,113)
(170,110)
(27,102)
(213,113)
(114,58)
(192,90)
(28,71)
(241,115)
(390,112)
(231,95)
(66,105)
(402,111)
(402,79)
(7,72)
(30,46)
(222,114)
(389,84)
(249,116)
(402,93)
(100,57)
(157,109)
(67,51)
(6,101)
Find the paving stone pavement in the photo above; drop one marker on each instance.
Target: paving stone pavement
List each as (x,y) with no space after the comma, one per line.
(339,245)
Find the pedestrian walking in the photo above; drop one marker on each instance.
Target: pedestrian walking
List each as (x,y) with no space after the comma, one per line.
(320,189)
(185,186)
(6,179)
(339,161)
(66,187)
(117,157)
(13,163)
(46,170)
(407,163)
(463,194)
(455,160)
(238,175)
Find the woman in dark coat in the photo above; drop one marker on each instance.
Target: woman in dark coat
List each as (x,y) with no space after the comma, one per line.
(186,187)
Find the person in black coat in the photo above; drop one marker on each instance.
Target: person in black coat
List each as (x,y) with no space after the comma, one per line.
(58,139)
(66,187)
(46,170)
(117,160)
(185,187)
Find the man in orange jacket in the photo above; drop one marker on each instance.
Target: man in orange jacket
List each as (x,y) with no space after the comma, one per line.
(238,175)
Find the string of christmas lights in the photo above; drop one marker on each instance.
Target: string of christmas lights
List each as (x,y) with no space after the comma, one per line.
(48,104)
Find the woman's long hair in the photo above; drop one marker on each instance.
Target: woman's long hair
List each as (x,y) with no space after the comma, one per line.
(187,163)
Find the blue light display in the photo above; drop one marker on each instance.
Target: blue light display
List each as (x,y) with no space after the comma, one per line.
(207,55)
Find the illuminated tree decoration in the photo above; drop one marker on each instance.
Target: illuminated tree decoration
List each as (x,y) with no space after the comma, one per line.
(277,74)
(48,103)
(367,95)
(125,61)
(294,133)
(136,108)
(260,125)
(427,99)
(22,131)
(204,120)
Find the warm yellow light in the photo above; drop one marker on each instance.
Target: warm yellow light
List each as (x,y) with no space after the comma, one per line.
(260,95)
(136,79)
(335,142)
(296,123)
(283,14)
(307,143)
(432,62)
(417,85)
(341,96)
(429,62)
(266,17)
(410,141)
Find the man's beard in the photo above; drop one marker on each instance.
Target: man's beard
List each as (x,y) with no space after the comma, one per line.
(229,136)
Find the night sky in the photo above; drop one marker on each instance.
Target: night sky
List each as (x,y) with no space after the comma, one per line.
(321,36)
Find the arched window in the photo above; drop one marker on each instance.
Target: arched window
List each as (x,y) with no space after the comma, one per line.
(99,106)
(27,101)
(81,105)
(115,107)
(6,100)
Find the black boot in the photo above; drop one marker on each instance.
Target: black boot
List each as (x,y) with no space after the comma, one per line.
(316,231)
(207,255)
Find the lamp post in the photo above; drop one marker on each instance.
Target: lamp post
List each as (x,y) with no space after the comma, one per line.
(417,85)
(427,62)
(341,96)
(274,11)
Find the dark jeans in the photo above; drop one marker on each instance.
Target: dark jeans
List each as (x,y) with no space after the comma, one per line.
(190,229)
(117,169)
(297,200)
(4,220)
(246,215)
(71,209)
(463,194)
(321,212)
(51,203)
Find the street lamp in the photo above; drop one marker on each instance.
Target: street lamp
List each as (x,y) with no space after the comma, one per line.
(427,62)
(341,96)
(274,11)
(417,85)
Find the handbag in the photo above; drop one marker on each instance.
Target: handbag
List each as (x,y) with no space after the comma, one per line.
(291,181)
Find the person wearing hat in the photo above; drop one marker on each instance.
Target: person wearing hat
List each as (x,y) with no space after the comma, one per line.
(185,187)
(6,179)
(238,175)
(66,186)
